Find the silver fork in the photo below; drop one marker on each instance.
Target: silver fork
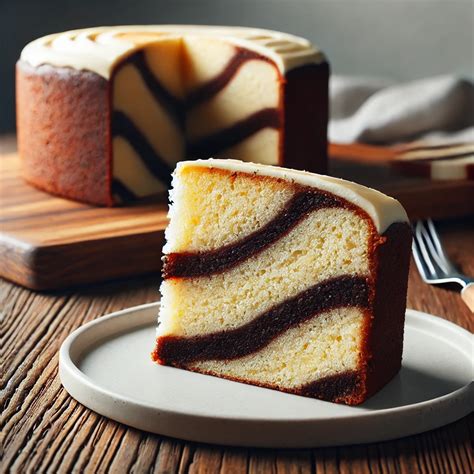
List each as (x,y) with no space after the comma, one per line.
(433,264)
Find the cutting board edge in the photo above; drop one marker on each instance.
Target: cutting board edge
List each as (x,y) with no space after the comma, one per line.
(40,269)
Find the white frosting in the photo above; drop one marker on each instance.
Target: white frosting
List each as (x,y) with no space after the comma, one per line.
(99,49)
(382,209)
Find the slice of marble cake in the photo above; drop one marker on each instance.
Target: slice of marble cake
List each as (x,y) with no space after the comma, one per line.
(283,279)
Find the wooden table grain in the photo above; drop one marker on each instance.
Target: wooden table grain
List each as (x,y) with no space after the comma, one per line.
(45,430)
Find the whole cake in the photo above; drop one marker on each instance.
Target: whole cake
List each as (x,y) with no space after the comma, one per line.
(104,114)
(283,279)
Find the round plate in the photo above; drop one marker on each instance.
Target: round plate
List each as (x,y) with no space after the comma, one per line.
(106,366)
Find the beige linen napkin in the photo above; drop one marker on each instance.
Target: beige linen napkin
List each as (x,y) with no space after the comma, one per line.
(426,125)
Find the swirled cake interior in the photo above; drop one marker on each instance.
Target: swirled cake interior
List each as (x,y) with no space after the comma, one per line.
(190,97)
(274,281)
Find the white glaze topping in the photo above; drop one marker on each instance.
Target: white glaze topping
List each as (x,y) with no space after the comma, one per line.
(99,49)
(382,209)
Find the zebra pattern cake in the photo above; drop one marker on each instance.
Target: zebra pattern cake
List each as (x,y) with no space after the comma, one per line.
(104,114)
(283,279)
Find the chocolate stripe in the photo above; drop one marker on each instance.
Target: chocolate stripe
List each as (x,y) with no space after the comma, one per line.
(187,264)
(341,387)
(215,85)
(344,291)
(176,109)
(333,387)
(124,127)
(173,106)
(212,144)
(123,192)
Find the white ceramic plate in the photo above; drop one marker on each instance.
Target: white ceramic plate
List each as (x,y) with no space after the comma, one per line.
(106,366)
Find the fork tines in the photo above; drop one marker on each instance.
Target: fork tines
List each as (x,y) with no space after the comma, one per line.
(430,258)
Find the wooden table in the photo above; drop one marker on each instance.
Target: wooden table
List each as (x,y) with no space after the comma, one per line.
(45,430)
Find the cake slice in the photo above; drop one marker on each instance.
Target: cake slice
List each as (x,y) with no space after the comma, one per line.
(283,279)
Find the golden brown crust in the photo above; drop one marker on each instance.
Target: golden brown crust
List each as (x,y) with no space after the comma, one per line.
(63,123)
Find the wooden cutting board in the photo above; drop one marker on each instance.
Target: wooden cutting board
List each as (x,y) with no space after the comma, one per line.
(421,197)
(47,242)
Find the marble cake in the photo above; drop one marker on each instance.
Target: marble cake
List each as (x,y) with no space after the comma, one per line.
(104,114)
(283,279)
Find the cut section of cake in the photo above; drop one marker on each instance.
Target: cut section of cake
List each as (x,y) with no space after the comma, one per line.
(104,114)
(283,279)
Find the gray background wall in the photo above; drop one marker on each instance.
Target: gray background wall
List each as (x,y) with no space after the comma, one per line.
(401,39)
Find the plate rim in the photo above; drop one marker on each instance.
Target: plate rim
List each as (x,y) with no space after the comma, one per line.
(69,368)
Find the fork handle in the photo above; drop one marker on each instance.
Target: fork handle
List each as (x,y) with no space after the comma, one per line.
(467,294)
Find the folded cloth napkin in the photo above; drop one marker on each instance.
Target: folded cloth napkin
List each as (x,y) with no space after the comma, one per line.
(382,112)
